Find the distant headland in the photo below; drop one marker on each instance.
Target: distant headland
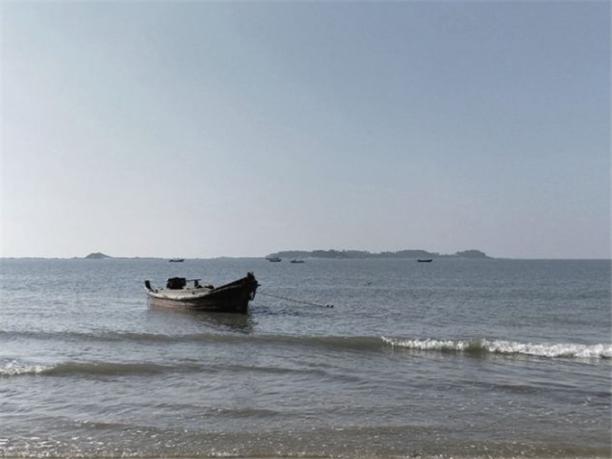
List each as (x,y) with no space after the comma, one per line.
(97,255)
(472,253)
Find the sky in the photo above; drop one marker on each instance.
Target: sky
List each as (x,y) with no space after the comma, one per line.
(242,128)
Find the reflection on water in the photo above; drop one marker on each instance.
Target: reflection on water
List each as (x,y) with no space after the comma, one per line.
(220,321)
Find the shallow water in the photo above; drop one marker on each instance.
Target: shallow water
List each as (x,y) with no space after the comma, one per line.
(452,358)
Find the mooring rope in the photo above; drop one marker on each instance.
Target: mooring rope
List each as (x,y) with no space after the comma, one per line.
(296,301)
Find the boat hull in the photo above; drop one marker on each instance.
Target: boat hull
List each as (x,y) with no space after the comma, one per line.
(230,298)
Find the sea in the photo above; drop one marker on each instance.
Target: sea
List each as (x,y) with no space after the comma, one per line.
(478,358)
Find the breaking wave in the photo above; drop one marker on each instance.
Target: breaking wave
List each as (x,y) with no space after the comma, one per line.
(332,343)
(559,350)
(14,368)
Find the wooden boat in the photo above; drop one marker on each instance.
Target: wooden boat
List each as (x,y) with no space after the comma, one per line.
(274,259)
(297,261)
(181,293)
(425,260)
(176,260)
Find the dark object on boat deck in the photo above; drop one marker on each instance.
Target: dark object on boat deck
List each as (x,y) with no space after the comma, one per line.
(297,261)
(176,260)
(178,294)
(176,283)
(425,260)
(274,259)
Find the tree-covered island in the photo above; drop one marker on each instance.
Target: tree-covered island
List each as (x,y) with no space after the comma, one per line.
(472,253)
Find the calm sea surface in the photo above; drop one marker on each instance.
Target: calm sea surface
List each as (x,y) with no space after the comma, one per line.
(458,358)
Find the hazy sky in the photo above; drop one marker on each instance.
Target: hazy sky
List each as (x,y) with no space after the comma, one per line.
(208,129)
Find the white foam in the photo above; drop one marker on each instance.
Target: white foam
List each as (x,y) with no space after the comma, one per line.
(13,368)
(567,350)
(428,344)
(586,351)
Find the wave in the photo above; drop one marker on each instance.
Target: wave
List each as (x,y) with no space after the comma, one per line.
(346,343)
(356,342)
(485,346)
(14,368)
(92,336)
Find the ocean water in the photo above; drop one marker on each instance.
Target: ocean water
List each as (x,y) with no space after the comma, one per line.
(455,358)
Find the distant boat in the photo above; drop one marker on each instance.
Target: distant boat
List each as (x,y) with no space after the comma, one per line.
(425,260)
(176,260)
(297,261)
(274,259)
(189,294)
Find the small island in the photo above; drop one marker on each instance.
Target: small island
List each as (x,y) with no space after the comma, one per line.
(353,254)
(97,256)
(472,253)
